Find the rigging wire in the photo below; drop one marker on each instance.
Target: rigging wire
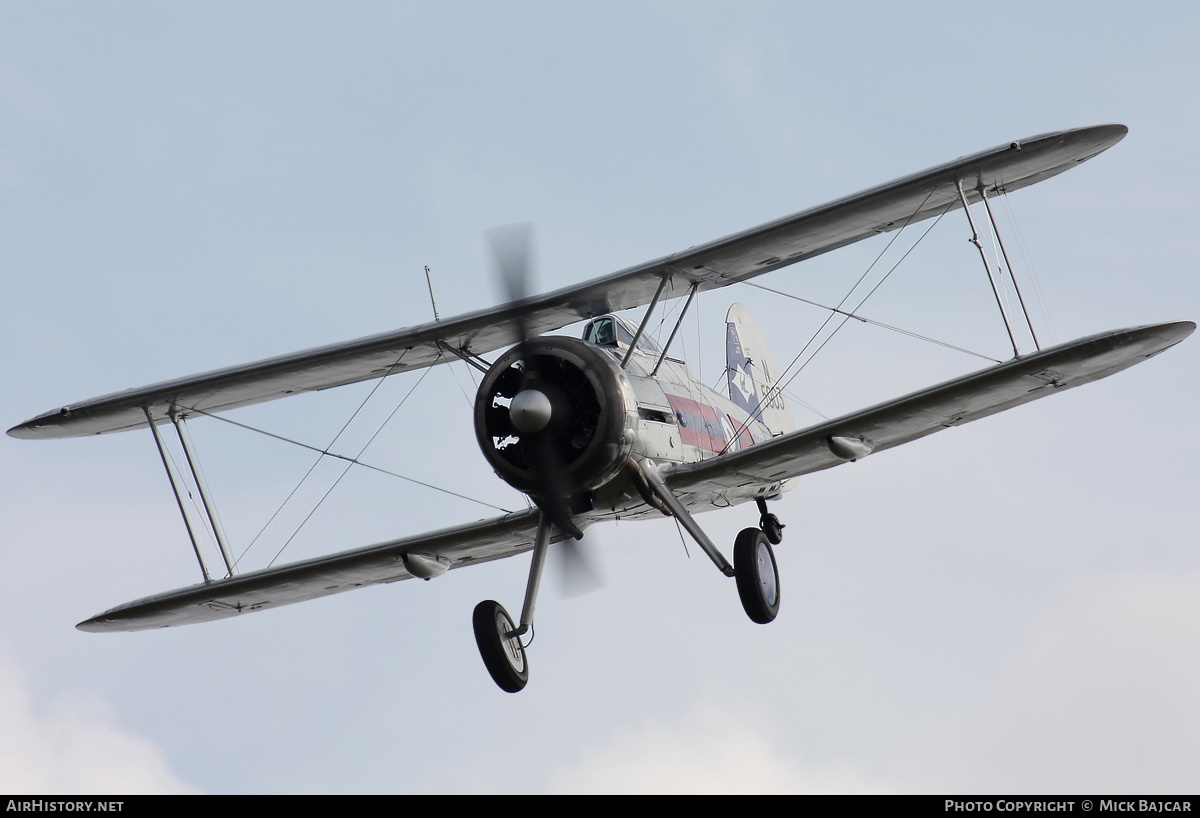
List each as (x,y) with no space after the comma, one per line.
(846,297)
(681,539)
(204,525)
(776,388)
(353,460)
(1043,304)
(391,369)
(348,465)
(699,347)
(717,382)
(350,461)
(214,516)
(1007,292)
(872,321)
(805,404)
(470,402)
(864,299)
(664,315)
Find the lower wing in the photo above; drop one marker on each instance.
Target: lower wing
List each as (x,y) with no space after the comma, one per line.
(426,554)
(922,413)
(881,427)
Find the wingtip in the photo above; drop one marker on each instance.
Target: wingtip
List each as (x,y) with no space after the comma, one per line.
(92,625)
(1101,137)
(1183,329)
(39,426)
(23,431)
(1115,130)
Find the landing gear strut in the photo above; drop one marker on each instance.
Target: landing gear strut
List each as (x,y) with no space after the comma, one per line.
(769,523)
(498,639)
(753,560)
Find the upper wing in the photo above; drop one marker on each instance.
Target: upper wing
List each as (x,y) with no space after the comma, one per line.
(716,264)
(949,404)
(309,579)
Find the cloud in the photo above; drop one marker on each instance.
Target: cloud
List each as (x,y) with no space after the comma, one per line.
(708,751)
(1102,694)
(73,747)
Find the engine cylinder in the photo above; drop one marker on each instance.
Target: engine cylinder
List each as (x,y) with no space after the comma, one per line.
(592,417)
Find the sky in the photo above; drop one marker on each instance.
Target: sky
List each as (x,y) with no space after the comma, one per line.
(1009,606)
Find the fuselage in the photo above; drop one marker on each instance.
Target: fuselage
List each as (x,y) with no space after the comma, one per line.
(680,420)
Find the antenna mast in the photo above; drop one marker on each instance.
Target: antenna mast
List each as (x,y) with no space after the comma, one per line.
(431,300)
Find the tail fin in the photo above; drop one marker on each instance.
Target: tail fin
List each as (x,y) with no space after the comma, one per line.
(751,371)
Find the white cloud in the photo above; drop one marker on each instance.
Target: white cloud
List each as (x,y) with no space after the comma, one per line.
(708,751)
(73,747)
(1101,695)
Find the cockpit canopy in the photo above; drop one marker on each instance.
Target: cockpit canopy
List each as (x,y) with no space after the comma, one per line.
(615,332)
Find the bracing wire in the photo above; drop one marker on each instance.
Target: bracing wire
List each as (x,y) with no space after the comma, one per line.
(860,280)
(348,465)
(1043,305)
(191,497)
(352,460)
(780,384)
(457,383)
(788,382)
(316,462)
(681,539)
(873,322)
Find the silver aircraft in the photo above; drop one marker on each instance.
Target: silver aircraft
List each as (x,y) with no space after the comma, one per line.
(608,425)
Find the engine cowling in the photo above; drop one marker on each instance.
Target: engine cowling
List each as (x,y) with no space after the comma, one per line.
(575,402)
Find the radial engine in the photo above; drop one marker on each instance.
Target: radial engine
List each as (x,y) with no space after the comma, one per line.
(556,415)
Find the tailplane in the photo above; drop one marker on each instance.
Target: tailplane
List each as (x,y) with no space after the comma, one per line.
(751,371)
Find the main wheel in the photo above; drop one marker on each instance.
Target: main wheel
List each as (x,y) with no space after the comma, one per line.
(503,655)
(757,575)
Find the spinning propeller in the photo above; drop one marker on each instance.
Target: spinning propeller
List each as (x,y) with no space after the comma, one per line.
(549,415)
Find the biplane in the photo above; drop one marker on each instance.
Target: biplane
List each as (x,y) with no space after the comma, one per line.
(607,425)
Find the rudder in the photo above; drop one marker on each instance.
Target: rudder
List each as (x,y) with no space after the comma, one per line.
(750,370)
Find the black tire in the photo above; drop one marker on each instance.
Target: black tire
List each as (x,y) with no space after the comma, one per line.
(757,575)
(503,657)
